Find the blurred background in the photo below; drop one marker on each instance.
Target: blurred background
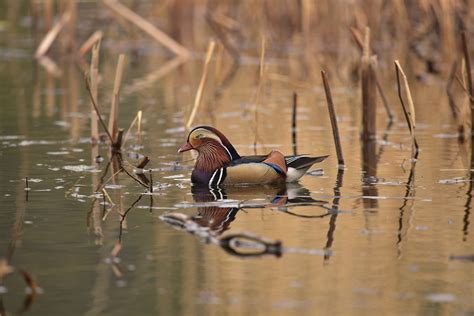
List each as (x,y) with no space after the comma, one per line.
(397,237)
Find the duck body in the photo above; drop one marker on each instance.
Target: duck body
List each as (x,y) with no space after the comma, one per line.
(218,163)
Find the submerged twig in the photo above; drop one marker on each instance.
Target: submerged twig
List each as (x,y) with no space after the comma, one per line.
(332,117)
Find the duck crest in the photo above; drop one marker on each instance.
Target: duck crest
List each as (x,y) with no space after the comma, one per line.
(226,144)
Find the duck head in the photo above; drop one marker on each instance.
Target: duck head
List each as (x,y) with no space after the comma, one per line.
(214,149)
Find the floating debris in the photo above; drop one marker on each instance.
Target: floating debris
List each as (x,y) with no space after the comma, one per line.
(441,297)
(35,180)
(58,153)
(81,168)
(464,258)
(316,172)
(455,180)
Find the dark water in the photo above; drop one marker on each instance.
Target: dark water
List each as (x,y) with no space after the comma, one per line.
(374,243)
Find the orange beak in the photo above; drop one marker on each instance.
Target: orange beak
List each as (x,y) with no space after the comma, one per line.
(185,147)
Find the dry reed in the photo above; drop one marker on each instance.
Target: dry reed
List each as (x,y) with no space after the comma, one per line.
(148,28)
(137,120)
(410,111)
(48,40)
(95,38)
(261,82)
(369,104)
(114,110)
(96,109)
(199,93)
(94,81)
(293,123)
(449,90)
(332,117)
(470,88)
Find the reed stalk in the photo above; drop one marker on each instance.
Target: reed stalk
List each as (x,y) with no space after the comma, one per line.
(449,92)
(369,104)
(410,110)
(199,93)
(332,117)
(470,88)
(94,81)
(114,111)
(261,81)
(293,123)
(96,109)
(138,121)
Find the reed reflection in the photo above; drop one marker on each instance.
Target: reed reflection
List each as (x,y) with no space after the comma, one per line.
(369,169)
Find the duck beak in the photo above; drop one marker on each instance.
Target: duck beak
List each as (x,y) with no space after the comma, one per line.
(185,147)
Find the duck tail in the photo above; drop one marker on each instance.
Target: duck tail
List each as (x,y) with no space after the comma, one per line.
(298,165)
(303,161)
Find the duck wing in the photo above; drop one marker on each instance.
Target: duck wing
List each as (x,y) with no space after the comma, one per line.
(298,161)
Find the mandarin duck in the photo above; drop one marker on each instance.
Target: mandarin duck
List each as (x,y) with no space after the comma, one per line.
(218,163)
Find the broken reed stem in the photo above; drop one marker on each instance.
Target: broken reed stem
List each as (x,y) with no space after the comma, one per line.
(90,43)
(197,99)
(96,108)
(148,28)
(143,162)
(368,90)
(293,123)
(259,90)
(332,117)
(113,128)
(94,79)
(410,112)
(48,40)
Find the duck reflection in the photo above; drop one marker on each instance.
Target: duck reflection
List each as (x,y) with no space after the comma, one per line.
(217,208)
